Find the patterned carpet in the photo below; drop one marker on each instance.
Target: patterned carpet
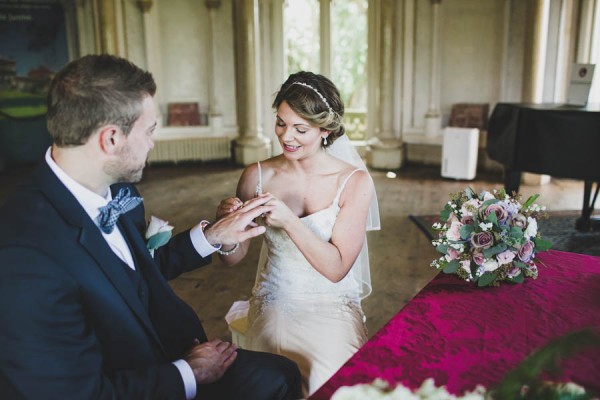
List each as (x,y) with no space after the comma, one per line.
(559,229)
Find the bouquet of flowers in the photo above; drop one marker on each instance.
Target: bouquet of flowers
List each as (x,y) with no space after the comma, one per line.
(489,237)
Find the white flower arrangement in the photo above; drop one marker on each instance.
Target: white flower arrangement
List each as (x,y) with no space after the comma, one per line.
(379,389)
(489,237)
(157,234)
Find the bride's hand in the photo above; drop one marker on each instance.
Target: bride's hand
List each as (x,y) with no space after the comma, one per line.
(227,206)
(280,215)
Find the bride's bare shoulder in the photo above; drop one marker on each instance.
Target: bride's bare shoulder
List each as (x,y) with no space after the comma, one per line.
(250,176)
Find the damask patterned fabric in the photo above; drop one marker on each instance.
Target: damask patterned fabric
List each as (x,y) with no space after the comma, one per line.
(462,335)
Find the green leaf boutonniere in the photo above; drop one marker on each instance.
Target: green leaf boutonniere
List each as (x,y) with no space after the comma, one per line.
(158,234)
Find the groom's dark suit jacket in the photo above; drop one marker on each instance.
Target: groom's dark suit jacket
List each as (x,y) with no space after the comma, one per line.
(73,322)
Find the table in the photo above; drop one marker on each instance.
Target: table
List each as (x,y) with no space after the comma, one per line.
(558,140)
(462,335)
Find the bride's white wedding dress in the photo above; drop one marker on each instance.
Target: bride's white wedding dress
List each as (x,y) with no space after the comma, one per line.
(297,312)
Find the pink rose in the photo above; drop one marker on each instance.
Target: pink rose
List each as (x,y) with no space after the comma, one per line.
(526,251)
(505,257)
(453,254)
(498,209)
(482,240)
(453,232)
(478,257)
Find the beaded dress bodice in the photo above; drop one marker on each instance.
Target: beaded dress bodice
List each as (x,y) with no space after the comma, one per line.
(299,313)
(286,271)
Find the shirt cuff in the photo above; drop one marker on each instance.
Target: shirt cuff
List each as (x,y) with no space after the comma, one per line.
(200,243)
(187,375)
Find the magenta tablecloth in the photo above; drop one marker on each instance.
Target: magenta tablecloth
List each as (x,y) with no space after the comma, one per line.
(462,335)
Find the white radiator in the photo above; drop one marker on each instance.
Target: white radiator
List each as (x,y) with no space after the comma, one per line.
(191,149)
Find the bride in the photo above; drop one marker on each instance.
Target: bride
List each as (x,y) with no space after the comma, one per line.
(314,269)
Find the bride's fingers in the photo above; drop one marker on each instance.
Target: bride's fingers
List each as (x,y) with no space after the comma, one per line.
(257,201)
(250,214)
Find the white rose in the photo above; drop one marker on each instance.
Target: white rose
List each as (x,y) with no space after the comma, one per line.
(487,195)
(490,265)
(466,265)
(157,234)
(531,229)
(157,225)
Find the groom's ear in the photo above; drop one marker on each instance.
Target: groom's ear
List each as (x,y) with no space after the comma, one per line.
(110,139)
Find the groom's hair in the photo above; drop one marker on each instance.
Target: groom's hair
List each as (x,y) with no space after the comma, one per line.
(94,91)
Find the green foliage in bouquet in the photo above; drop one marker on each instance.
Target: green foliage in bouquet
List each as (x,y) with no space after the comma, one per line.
(489,237)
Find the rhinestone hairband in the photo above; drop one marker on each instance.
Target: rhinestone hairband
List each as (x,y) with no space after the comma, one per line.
(317,92)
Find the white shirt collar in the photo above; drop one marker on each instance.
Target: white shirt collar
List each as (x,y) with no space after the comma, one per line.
(88,199)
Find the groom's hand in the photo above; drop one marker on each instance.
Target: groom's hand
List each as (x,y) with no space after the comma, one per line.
(210,360)
(238,226)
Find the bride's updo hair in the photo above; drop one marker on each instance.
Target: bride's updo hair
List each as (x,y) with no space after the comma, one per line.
(316,99)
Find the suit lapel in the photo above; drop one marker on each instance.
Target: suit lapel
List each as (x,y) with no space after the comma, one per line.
(93,241)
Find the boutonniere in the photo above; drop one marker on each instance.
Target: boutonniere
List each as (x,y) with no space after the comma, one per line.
(158,234)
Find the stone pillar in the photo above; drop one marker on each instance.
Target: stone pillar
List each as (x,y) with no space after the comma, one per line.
(325,32)
(535,62)
(109,28)
(152,49)
(250,146)
(433,117)
(272,64)
(215,116)
(385,149)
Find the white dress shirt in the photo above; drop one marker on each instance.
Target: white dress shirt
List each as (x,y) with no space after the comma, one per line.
(91,202)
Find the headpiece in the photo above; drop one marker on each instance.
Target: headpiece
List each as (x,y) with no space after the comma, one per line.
(317,92)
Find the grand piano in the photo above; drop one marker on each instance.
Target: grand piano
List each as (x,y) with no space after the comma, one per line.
(558,140)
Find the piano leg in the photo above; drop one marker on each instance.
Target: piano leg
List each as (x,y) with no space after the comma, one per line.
(586,223)
(512,180)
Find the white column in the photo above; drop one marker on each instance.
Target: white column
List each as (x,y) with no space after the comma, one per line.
(215,115)
(272,48)
(149,9)
(325,32)
(534,83)
(433,117)
(374,22)
(385,149)
(250,146)
(586,28)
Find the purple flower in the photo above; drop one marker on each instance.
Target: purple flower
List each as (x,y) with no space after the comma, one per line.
(467,220)
(514,272)
(526,251)
(482,240)
(498,209)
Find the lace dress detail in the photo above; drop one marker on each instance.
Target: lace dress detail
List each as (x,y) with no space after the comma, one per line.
(297,312)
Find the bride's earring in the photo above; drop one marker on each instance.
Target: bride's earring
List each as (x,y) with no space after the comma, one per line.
(324,140)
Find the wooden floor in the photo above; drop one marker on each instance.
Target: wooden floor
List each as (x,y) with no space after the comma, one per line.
(399,253)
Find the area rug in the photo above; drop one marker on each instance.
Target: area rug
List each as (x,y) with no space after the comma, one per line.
(559,229)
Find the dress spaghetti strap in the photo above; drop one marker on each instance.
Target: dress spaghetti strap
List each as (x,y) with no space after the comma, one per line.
(259,184)
(342,186)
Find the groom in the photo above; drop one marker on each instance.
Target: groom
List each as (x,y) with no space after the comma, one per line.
(85,310)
